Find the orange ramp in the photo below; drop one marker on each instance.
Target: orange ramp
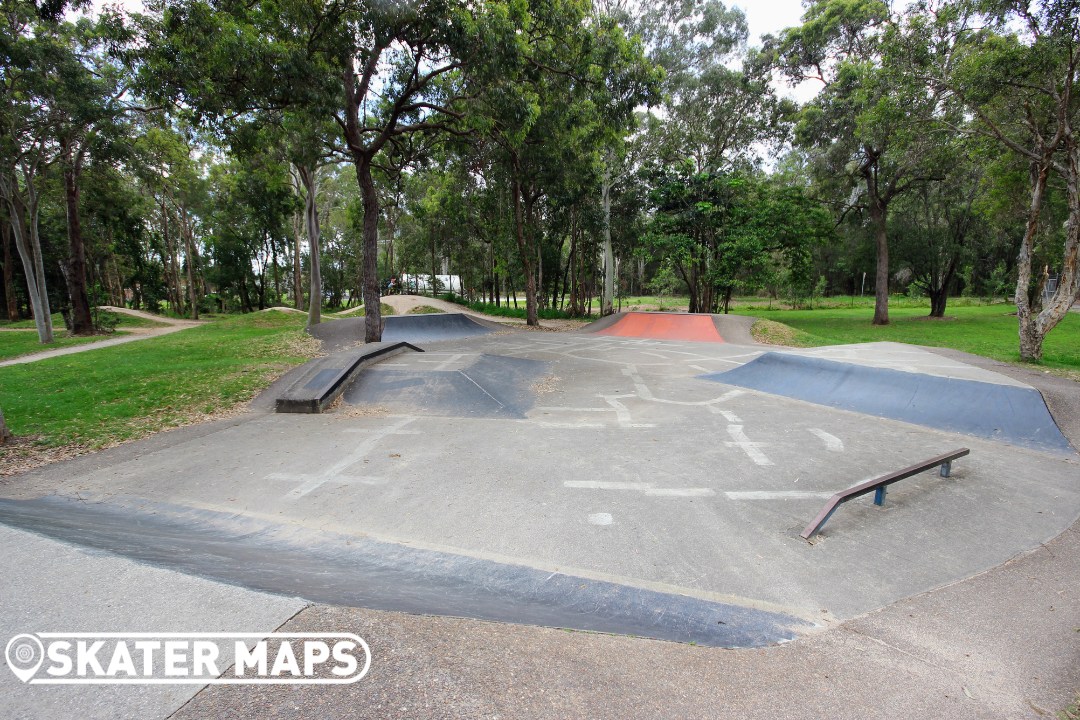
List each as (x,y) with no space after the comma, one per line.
(664,326)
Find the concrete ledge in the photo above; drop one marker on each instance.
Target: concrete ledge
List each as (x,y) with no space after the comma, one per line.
(324,379)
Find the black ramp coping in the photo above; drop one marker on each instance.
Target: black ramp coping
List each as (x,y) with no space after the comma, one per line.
(325,378)
(434,327)
(361,572)
(1011,414)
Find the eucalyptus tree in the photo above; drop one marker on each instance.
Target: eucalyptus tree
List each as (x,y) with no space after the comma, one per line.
(871,123)
(1015,66)
(26,151)
(380,71)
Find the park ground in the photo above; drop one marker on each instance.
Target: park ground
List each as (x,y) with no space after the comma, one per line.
(988,646)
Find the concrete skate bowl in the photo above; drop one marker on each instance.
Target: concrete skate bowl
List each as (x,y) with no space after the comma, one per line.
(483,386)
(1005,413)
(436,327)
(658,326)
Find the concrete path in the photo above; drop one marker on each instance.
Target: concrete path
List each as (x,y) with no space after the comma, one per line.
(54,587)
(132,334)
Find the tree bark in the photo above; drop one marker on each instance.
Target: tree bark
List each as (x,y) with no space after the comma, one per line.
(1030,340)
(298,265)
(372,298)
(5,434)
(608,304)
(192,263)
(82,323)
(526,255)
(309,179)
(9,274)
(23,215)
(878,219)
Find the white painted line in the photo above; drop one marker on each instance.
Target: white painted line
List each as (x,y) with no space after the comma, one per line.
(600,519)
(448,362)
(310,482)
(832,443)
(680,492)
(566,425)
(775,495)
(739,440)
(603,485)
(463,374)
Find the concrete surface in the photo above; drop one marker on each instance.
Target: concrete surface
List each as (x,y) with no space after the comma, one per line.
(628,468)
(50,586)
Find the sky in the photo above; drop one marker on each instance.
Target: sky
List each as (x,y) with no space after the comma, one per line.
(770,16)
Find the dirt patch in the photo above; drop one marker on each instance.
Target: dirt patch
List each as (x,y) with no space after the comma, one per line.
(340,410)
(769,332)
(546,385)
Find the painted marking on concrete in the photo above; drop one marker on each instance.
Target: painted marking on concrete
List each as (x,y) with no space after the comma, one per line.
(466,376)
(622,413)
(565,425)
(600,519)
(605,485)
(334,474)
(445,365)
(645,488)
(832,443)
(645,393)
(739,440)
(727,414)
(680,492)
(775,495)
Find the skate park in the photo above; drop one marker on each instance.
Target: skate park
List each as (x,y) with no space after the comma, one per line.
(612,480)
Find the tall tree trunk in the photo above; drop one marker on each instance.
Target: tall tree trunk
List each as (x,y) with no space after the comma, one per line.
(1030,340)
(526,255)
(5,434)
(1033,329)
(192,263)
(82,323)
(9,272)
(878,218)
(608,306)
(298,264)
(23,215)
(372,299)
(309,178)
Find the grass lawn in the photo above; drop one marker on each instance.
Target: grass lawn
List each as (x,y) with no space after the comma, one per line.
(122,321)
(358,311)
(25,342)
(128,391)
(988,330)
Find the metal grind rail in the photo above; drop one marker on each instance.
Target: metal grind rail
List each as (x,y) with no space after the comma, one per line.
(878,485)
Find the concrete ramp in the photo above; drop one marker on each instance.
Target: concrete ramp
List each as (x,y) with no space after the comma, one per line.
(435,327)
(658,326)
(484,386)
(1007,413)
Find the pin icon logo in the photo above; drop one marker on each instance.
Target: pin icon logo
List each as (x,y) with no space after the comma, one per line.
(24,656)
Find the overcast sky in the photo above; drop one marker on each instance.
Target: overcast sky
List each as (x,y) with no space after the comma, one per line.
(770,16)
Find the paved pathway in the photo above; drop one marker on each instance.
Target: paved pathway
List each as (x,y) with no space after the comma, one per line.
(169,325)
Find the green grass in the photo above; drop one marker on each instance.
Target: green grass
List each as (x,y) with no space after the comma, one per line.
(987,330)
(426,310)
(122,321)
(358,311)
(503,310)
(1072,712)
(131,390)
(25,342)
